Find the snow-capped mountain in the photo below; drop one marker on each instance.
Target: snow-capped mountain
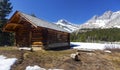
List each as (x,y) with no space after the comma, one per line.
(108,20)
(67,25)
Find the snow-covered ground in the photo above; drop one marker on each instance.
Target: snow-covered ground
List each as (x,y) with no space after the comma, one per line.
(93,46)
(36,67)
(24,48)
(6,63)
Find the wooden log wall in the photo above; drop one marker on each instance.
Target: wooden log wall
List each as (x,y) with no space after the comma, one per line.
(57,39)
(22,38)
(37,36)
(27,36)
(57,36)
(22,35)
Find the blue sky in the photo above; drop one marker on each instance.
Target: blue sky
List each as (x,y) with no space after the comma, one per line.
(75,11)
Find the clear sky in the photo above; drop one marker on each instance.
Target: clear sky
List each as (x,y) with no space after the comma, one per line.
(75,11)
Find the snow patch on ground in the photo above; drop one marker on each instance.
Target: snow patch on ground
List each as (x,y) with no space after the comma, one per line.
(25,48)
(107,51)
(6,63)
(36,67)
(92,46)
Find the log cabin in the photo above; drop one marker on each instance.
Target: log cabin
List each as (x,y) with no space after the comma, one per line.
(30,31)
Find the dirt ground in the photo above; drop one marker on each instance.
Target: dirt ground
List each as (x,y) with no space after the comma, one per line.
(97,60)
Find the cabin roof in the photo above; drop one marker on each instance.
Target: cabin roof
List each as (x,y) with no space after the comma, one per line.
(42,23)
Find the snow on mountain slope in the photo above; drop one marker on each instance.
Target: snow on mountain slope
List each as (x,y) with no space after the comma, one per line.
(67,25)
(115,20)
(108,20)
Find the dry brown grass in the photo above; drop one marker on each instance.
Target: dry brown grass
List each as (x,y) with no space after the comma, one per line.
(97,60)
(113,58)
(7,48)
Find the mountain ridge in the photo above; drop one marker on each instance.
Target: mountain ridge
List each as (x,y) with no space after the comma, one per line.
(108,19)
(67,25)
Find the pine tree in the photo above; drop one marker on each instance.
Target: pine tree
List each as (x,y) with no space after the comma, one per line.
(5,10)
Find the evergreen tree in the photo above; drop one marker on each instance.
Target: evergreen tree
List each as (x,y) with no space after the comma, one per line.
(5,10)
(97,35)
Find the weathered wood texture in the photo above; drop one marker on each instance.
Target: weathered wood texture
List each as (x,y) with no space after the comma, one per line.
(23,35)
(28,35)
(41,37)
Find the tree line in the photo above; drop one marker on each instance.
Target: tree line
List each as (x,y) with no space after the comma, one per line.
(96,35)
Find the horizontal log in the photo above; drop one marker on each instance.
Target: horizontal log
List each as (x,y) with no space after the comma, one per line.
(37,43)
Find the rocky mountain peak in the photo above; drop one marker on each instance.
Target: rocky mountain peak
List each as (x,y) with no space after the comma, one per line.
(95,17)
(67,25)
(109,19)
(106,15)
(63,21)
